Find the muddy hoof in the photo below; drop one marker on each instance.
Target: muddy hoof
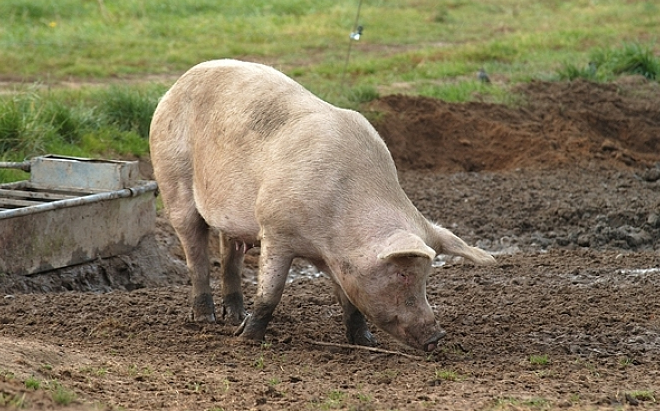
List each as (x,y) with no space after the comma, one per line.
(232,316)
(250,330)
(203,309)
(233,311)
(365,338)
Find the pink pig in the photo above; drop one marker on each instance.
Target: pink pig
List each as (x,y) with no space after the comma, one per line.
(245,149)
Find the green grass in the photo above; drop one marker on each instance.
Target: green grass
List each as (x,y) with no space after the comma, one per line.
(422,47)
(539,359)
(642,395)
(605,64)
(447,375)
(94,122)
(61,395)
(416,40)
(32,383)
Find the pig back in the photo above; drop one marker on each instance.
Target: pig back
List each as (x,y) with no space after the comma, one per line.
(260,147)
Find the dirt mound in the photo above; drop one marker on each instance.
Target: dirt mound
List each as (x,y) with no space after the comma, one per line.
(559,123)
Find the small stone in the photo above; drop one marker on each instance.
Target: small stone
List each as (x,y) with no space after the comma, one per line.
(653,220)
(584,240)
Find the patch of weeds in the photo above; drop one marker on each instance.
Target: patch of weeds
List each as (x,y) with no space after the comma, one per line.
(590,367)
(537,402)
(101,371)
(539,359)
(334,400)
(197,387)
(133,370)
(259,362)
(60,394)
(7,375)
(641,395)
(570,72)
(14,401)
(129,108)
(446,375)
(634,58)
(626,361)
(363,94)
(363,397)
(386,377)
(32,383)
(607,63)
(456,349)
(274,381)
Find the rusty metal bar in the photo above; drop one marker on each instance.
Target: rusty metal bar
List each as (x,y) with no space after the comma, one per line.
(25,165)
(35,195)
(78,201)
(16,202)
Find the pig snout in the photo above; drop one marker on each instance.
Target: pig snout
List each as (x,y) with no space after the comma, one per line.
(432,343)
(424,337)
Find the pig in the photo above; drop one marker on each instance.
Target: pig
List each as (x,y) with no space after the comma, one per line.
(241,148)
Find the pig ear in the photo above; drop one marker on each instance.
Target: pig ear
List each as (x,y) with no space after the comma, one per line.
(405,244)
(446,242)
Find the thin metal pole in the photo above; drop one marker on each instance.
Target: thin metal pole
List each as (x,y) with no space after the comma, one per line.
(25,165)
(350,43)
(79,201)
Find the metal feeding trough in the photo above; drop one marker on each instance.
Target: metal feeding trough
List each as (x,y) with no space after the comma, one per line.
(72,210)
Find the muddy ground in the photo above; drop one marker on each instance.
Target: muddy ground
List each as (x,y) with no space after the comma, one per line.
(564,189)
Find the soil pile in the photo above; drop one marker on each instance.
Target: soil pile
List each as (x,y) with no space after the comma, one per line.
(556,124)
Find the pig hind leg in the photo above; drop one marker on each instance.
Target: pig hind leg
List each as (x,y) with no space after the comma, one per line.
(232,256)
(274,264)
(193,232)
(357,331)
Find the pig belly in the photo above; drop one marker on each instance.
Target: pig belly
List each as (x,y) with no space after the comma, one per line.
(233,215)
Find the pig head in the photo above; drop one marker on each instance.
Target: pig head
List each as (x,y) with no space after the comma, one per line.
(388,284)
(244,149)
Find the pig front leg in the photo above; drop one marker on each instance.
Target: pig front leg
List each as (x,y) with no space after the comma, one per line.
(357,331)
(274,267)
(232,257)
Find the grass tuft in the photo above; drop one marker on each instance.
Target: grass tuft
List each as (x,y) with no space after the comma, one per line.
(32,383)
(446,375)
(363,94)
(607,63)
(129,109)
(539,359)
(61,395)
(642,395)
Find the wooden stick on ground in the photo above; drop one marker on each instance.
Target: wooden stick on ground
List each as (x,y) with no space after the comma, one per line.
(362,347)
